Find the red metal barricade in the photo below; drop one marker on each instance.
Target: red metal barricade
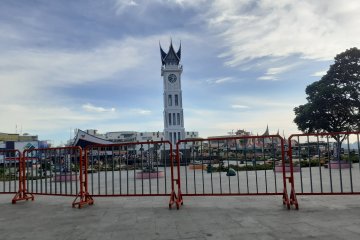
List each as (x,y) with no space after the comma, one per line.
(325,163)
(9,171)
(22,193)
(131,169)
(245,165)
(12,175)
(52,171)
(315,164)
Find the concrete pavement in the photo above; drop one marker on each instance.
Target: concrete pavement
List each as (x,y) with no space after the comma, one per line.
(259,217)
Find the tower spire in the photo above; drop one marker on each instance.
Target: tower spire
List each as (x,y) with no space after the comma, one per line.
(162,54)
(178,53)
(266,133)
(171,57)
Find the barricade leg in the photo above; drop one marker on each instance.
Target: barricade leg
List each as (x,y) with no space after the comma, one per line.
(175,198)
(83,197)
(290,200)
(180,197)
(22,193)
(285,198)
(293,199)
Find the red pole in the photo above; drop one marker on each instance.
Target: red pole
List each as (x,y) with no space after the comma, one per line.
(83,196)
(22,194)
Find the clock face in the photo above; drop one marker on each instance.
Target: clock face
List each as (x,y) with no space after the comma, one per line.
(172,78)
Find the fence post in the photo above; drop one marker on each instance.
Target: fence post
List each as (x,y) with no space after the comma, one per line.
(83,196)
(293,199)
(22,193)
(178,180)
(286,200)
(175,198)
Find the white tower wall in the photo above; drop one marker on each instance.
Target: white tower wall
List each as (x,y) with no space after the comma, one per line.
(171,71)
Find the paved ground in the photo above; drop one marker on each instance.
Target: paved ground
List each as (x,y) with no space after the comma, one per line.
(320,217)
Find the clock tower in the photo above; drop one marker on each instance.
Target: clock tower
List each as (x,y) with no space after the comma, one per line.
(171,70)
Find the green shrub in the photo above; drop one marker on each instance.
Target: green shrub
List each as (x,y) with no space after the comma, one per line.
(249,167)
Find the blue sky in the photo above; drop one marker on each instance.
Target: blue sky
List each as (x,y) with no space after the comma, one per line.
(96,64)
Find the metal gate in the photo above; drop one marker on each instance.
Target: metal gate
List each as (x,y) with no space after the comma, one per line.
(246,165)
(325,163)
(9,171)
(52,171)
(131,169)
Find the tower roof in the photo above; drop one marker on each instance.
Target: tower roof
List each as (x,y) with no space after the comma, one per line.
(266,133)
(171,57)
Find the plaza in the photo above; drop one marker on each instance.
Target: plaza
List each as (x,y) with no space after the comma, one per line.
(259,217)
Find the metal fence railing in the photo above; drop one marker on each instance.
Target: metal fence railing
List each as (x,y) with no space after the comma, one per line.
(130,169)
(9,171)
(52,171)
(314,164)
(325,163)
(246,165)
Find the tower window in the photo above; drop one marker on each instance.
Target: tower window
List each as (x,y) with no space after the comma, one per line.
(169,118)
(178,136)
(176,100)
(178,119)
(169,100)
(174,119)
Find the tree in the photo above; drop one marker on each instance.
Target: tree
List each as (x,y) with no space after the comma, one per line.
(333,101)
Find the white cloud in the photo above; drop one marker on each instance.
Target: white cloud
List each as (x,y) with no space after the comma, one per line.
(279,70)
(272,72)
(133,3)
(35,71)
(263,102)
(189,3)
(268,78)
(220,80)
(319,73)
(42,118)
(236,106)
(91,108)
(123,5)
(33,74)
(141,111)
(310,29)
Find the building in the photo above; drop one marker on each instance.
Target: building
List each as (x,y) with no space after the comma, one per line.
(253,142)
(88,137)
(91,136)
(15,137)
(171,71)
(12,141)
(149,136)
(123,136)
